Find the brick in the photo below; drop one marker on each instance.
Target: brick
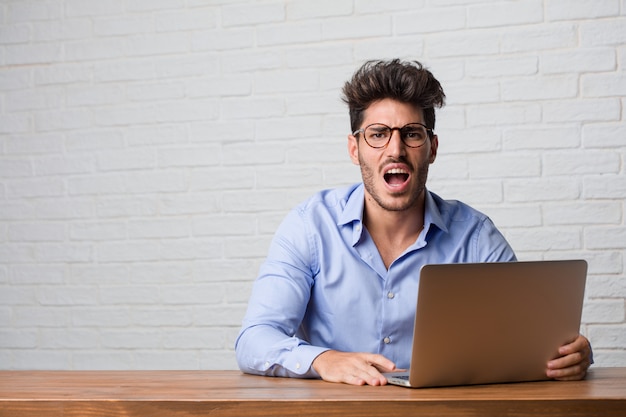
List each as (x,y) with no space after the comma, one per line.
(66,119)
(605,186)
(193,339)
(223,40)
(584,212)
(288,128)
(582,110)
(122,25)
(212,179)
(96,317)
(581,9)
(67,29)
(35,188)
(15,78)
(32,316)
(158,228)
(545,239)
(603,136)
(603,237)
(18,339)
(225,225)
(103,360)
(257,108)
(540,189)
(37,232)
(127,251)
(250,14)
(499,66)
(33,11)
(496,114)
(603,32)
(289,33)
(98,231)
(285,177)
(186,20)
(93,7)
(533,89)
(186,66)
(75,339)
(129,294)
(292,81)
(131,339)
(94,49)
(578,60)
(339,28)
(15,168)
(467,43)
(472,93)
(15,123)
(385,48)
(604,311)
(13,34)
(125,160)
(188,249)
(604,85)
(154,5)
(64,165)
(158,317)
(303,9)
(533,138)
(608,335)
(28,359)
(166,359)
(505,14)
(538,38)
(193,294)
(430,21)
(578,163)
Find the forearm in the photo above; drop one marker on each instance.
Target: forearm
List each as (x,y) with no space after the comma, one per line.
(263,350)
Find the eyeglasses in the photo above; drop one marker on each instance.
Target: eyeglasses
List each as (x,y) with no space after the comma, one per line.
(378,135)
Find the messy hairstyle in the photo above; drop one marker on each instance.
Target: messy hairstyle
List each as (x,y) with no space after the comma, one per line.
(407,82)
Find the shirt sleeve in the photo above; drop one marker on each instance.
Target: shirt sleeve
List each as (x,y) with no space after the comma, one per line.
(268,343)
(491,245)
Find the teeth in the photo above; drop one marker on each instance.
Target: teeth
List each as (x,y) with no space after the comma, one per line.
(396,171)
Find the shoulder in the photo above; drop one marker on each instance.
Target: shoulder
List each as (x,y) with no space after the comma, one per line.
(455,210)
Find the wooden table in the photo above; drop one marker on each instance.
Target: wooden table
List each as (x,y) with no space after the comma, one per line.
(231,393)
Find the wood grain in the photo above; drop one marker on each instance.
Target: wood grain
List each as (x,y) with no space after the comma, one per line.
(231,393)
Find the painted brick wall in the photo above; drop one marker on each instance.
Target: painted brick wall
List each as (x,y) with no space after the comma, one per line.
(149,148)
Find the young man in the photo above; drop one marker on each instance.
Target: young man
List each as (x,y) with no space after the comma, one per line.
(336,296)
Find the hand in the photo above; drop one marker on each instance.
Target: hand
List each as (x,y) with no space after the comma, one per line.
(574,361)
(353,368)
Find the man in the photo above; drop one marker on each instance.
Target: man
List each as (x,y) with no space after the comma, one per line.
(336,296)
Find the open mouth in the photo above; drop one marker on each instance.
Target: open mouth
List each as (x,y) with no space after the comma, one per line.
(396,177)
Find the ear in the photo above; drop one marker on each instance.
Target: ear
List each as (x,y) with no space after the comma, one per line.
(353,149)
(434,145)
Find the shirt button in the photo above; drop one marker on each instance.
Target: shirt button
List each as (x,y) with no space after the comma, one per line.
(387,340)
(390,295)
(297,366)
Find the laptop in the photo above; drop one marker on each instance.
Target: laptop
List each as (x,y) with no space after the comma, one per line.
(485,323)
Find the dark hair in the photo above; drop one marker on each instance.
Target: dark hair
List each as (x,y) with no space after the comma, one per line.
(408,82)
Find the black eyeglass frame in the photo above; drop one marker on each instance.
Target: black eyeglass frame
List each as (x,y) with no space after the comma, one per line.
(429,132)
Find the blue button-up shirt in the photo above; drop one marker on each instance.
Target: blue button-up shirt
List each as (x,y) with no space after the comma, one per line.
(324,284)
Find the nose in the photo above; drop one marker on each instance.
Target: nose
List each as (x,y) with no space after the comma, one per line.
(396,146)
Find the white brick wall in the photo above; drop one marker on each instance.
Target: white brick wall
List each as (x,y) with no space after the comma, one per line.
(149,149)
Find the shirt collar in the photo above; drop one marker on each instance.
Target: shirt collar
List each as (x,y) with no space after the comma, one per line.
(355,202)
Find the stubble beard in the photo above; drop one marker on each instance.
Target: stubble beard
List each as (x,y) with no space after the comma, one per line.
(396,202)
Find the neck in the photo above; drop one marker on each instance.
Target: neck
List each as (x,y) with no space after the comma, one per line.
(393,231)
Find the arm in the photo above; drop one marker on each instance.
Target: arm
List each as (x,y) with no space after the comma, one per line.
(268,343)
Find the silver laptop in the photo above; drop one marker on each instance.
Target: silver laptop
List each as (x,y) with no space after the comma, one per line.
(492,322)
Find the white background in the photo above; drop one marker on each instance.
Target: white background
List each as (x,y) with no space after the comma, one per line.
(149,148)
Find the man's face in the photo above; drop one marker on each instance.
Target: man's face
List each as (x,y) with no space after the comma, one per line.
(394,176)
